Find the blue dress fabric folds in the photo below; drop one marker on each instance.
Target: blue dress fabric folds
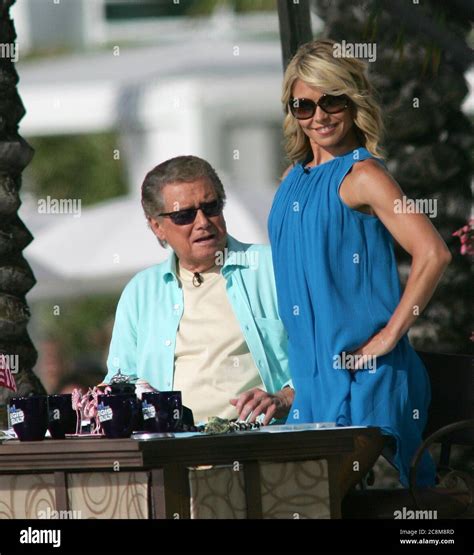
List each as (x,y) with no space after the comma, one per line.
(337,285)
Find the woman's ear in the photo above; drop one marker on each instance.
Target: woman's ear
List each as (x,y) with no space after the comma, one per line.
(352,110)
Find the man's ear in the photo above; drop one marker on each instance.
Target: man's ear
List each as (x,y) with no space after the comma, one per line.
(157,229)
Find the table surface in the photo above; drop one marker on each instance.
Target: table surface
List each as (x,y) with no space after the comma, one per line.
(102,453)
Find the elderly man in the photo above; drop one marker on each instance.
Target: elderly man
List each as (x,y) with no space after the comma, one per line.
(205,321)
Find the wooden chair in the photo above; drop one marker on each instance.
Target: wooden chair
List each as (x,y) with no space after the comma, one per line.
(450,422)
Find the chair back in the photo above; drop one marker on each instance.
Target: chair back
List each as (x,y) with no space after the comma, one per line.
(452,393)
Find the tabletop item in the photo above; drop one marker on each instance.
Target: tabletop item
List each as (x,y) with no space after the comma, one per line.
(62,417)
(118,414)
(162,411)
(121,384)
(216,425)
(29,417)
(85,407)
(188,419)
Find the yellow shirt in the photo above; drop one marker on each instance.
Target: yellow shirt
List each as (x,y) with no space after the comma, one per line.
(212,360)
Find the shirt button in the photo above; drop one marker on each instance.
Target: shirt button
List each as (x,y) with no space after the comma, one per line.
(247,327)
(260,363)
(176,306)
(168,342)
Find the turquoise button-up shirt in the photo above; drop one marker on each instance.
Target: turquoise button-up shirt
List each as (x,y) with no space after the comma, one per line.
(151,305)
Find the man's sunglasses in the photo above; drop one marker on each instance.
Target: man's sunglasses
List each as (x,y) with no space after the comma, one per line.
(188,215)
(304,108)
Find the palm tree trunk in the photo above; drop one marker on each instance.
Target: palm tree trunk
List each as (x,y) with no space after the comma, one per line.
(16,277)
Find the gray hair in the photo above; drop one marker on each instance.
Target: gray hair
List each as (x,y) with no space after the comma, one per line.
(181,169)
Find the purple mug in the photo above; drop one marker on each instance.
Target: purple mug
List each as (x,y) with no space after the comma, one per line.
(62,417)
(118,414)
(29,417)
(162,411)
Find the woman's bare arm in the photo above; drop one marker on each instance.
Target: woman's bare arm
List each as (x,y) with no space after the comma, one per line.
(369,185)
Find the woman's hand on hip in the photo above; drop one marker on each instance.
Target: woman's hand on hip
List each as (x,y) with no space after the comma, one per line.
(378,345)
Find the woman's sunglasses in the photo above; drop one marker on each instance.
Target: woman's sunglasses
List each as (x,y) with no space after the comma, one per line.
(188,215)
(304,108)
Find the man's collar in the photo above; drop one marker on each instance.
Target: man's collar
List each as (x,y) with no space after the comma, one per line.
(233,256)
(170,267)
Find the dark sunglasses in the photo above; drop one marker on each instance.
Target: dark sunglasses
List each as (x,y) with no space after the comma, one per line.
(304,108)
(188,215)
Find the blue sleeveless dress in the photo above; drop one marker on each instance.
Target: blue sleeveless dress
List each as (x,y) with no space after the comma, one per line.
(337,285)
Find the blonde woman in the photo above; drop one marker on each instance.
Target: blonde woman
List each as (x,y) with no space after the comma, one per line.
(331,228)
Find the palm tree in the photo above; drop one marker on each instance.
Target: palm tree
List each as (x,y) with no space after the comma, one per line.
(16,277)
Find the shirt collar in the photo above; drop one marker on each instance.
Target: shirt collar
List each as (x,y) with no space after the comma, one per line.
(234,257)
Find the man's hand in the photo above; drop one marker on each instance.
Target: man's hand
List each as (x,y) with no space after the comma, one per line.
(256,402)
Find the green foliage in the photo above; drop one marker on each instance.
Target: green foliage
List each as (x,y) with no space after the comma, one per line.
(82,327)
(206,7)
(254,5)
(76,166)
(80,166)
(142,9)
(202,7)
(168,8)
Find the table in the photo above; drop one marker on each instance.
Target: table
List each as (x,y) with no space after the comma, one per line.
(247,475)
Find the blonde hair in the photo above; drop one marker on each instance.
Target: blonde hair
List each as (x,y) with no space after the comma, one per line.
(315,64)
